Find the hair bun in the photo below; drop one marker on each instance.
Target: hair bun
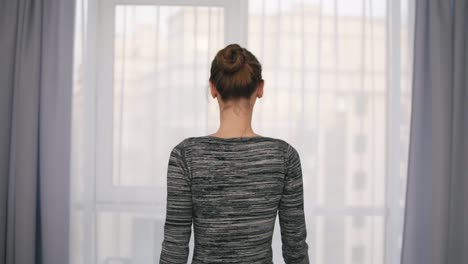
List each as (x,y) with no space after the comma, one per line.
(235,72)
(233,58)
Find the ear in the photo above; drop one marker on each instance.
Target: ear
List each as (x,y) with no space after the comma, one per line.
(213,90)
(260,88)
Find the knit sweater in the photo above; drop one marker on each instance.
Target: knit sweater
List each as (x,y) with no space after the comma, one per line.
(231,190)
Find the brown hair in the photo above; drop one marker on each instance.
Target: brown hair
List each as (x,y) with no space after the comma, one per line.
(235,72)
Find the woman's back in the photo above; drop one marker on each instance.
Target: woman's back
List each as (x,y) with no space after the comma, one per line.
(232,189)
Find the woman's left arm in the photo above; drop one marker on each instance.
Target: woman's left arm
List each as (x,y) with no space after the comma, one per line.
(178,224)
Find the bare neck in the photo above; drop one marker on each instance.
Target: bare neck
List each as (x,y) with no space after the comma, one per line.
(235,122)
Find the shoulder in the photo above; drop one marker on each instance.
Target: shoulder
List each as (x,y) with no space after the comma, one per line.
(182,143)
(291,154)
(178,148)
(287,147)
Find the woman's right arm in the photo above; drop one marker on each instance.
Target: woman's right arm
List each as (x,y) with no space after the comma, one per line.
(291,212)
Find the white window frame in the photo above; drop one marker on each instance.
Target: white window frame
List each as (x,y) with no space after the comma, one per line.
(99,106)
(235,31)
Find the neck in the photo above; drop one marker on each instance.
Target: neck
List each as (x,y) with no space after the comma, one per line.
(235,121)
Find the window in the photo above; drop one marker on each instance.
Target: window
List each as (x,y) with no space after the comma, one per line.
(337,86)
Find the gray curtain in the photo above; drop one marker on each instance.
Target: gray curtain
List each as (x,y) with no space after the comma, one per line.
(436,216)
(36,52)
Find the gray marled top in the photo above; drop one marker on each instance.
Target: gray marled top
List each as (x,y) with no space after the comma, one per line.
(231,189)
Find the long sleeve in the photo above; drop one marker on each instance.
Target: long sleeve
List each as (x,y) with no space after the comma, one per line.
(178,224)
(291,212)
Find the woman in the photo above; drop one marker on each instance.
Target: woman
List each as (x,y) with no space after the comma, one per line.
(231,184)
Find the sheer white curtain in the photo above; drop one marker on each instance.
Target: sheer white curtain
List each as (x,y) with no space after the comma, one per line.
(337,87)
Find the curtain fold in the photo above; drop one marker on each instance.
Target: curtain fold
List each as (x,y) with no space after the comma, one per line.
(35,95)
(436,229)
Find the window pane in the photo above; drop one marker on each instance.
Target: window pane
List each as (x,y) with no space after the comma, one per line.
(327,76)
(159,52)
